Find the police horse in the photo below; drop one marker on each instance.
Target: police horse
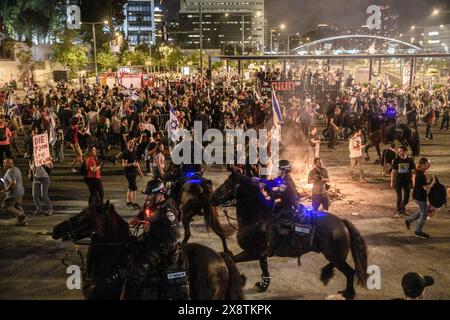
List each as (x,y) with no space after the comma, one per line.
(380,131)
(192,194)
(211,275)
(327,234)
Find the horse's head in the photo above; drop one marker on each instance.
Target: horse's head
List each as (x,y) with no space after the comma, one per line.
(96,219)
(75,228)
(227,191)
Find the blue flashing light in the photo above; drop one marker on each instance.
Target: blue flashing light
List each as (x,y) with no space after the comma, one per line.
(189,174)
(195,181)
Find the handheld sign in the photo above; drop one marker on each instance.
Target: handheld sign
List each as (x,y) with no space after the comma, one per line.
(41,149)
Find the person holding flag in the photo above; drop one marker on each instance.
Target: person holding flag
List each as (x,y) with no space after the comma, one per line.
(173,125)
(275,134)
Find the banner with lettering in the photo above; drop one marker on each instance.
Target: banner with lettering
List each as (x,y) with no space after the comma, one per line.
(41,149)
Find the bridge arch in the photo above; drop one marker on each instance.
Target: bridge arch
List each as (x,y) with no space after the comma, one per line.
(357,36)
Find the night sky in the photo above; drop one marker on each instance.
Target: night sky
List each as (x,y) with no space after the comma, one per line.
(303,15)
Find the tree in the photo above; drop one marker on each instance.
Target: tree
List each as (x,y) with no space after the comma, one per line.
(135,58)
(68,52)
(100,10)
(107,60)
(25,63)
(28,19)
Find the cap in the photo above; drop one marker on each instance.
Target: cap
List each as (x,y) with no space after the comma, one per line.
(414,283)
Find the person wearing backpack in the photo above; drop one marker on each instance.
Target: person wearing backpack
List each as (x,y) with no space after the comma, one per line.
(40,175)
(5,135)
(91,170)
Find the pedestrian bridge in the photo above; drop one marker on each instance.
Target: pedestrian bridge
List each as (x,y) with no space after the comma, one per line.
(355,36)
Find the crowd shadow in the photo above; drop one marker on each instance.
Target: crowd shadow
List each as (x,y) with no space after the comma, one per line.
(396,239)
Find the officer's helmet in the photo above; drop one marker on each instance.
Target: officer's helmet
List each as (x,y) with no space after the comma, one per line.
(155,187)
(285,165)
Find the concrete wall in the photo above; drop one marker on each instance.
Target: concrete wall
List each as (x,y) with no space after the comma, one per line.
(9,70)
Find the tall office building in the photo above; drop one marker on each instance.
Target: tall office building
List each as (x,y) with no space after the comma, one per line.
(437,38)
(144,21)
(222,22)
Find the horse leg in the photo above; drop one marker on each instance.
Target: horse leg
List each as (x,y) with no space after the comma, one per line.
(349,292)
(244,256)
(187,229)
(377,147)
(263,285)
(366,151)
(327,273)
(225,247)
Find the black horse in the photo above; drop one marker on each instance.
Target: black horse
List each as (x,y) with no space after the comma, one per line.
(333,236)
(193,197)
(212,275)
(387,134)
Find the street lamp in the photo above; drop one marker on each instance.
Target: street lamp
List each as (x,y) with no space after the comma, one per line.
(105,22)
(435,12)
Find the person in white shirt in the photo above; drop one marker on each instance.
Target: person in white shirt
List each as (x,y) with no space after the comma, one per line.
(355,147)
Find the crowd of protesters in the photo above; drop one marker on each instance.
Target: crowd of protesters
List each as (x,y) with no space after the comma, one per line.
(102,123)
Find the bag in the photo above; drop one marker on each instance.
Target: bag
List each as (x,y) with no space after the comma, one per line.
(3,136)
(83,169)
(437,196)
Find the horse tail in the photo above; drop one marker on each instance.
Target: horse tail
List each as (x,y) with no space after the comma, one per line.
(211,217)
(359,253)
(236,280)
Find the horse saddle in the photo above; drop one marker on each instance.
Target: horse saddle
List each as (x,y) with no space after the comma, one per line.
(298,228)
(194,177)
(166,280)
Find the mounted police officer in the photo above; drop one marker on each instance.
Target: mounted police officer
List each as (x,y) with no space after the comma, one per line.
(286,198)
(282,189)
(159,268)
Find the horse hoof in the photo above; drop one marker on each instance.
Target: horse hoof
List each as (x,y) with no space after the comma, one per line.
(260,288)
(347,295)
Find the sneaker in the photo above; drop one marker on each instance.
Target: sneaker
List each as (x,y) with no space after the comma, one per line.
(36,213)
(49,212)
(404,213)
(136,206)
(73,170)
(22,221)
(421,235)
(129,203)
(397,215)
(407,224)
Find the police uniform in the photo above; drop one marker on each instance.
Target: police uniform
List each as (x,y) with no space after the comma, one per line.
(159,266)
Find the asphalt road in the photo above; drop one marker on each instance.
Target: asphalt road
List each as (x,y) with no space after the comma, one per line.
(30,266)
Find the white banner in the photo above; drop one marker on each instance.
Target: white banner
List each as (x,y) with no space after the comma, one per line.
(41,149)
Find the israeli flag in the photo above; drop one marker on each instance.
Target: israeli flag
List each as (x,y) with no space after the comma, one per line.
(277,118)
(174,124)
(135,96)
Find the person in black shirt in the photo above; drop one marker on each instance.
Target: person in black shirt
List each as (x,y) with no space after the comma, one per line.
(386,159)
(420,190)
(132,169)
(142,141)
(401,178)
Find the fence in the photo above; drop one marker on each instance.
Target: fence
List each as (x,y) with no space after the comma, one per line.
(162,120)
